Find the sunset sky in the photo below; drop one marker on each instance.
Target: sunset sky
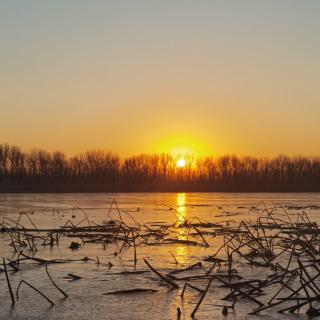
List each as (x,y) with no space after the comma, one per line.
(209,77)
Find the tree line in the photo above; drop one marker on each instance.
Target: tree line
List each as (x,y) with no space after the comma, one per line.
(99,166)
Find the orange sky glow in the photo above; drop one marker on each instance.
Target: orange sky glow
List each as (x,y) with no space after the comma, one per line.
(207,78)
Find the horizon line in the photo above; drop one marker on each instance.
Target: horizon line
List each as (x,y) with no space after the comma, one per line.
(193,155)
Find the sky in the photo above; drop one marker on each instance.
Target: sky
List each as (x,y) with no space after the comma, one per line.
(208,77)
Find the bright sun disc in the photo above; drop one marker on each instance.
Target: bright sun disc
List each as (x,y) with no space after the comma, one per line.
(181,163)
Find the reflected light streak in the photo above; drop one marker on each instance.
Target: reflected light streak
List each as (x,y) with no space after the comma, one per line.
(181,207)
(181,250)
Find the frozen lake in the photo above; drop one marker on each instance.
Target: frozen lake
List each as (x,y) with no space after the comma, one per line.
(87,299)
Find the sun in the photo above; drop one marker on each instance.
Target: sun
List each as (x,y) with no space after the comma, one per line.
(181,163)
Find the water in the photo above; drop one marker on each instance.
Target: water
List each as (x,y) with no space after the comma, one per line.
(86,296)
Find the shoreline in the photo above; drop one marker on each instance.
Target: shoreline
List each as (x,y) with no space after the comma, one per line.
(151,188)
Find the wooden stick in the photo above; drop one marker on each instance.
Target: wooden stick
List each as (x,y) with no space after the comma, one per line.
(165,279)
(60,290)
(8,282)
(35,289)
(134,248)
(201,299)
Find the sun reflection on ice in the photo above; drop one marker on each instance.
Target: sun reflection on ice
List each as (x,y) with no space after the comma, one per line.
(181,250)
(181,207)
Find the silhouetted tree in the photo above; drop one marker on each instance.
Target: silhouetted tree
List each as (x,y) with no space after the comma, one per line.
(99,166)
